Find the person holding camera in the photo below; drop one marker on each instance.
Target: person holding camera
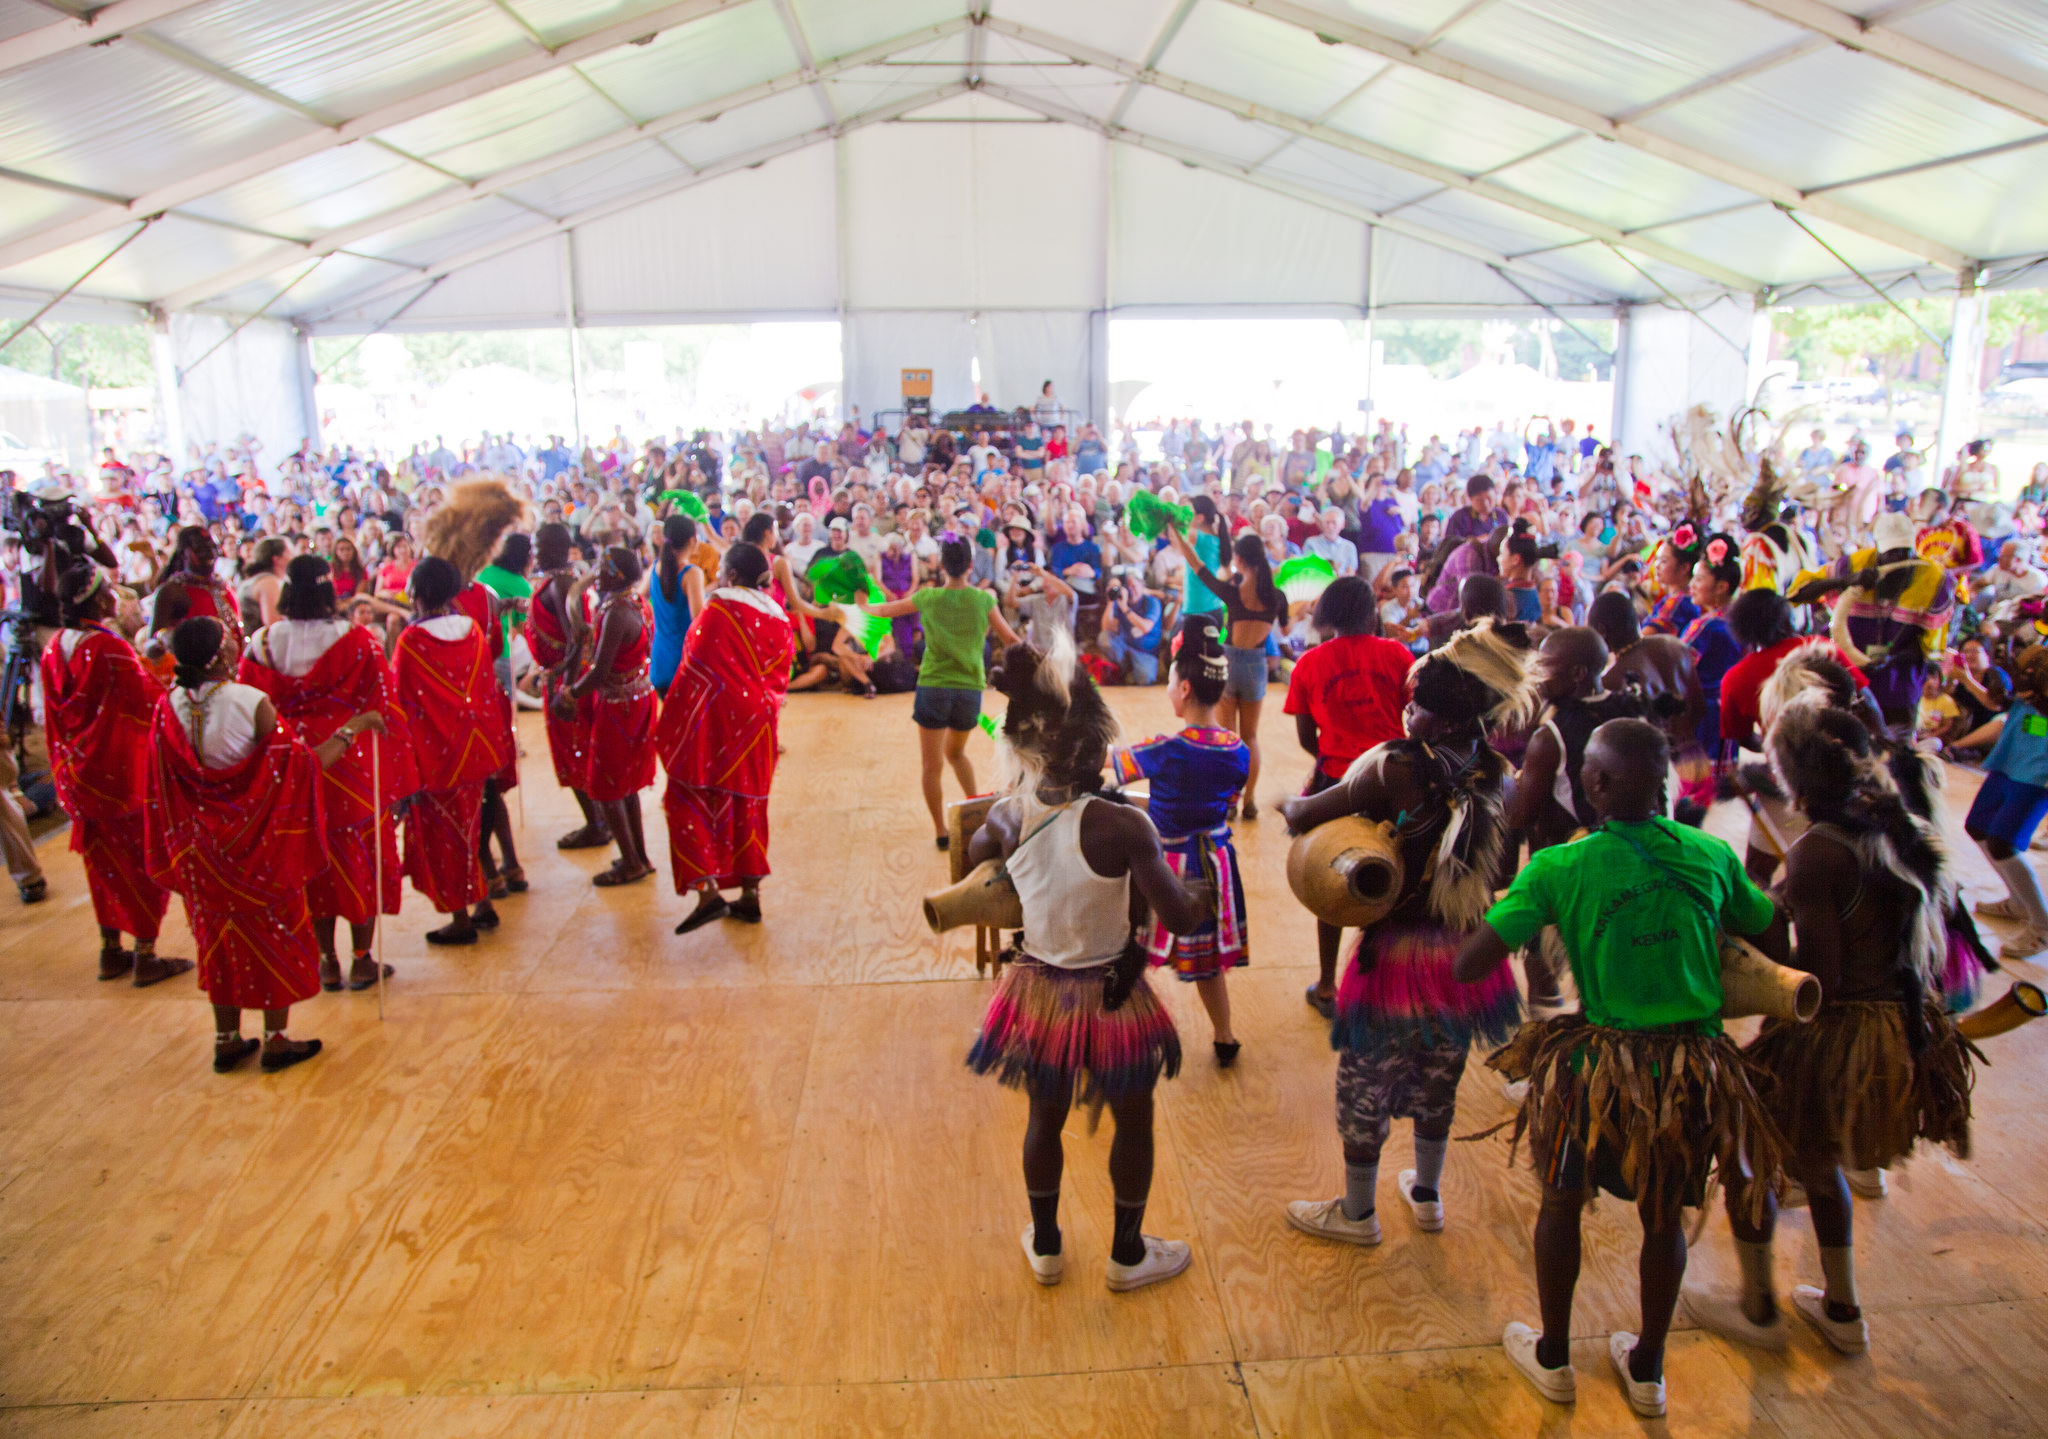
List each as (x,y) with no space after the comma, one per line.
(1131,627)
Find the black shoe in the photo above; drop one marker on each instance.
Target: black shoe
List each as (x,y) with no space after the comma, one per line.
(1327,1008)
(230,1057)
(484,917)
(746,909)
(944,841)
(285,1059)
(449,934)
(707,911)
(1226,1054)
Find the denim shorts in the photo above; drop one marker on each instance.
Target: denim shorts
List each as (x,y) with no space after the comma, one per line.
(935,708)
(1247,682)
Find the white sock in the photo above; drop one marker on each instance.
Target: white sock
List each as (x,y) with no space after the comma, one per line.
(2019,877)
(1360,1180)
(1429,1162)
(1839,1265)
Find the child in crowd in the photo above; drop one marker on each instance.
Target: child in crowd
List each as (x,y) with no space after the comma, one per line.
(1196,775)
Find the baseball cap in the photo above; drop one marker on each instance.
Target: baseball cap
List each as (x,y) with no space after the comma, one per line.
(838,523)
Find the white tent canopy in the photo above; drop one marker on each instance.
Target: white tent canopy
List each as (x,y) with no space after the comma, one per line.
(994,182)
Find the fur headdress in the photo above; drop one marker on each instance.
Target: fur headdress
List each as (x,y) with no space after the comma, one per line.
(466,529)
(1485,672)
(1824,756)
(1058,728)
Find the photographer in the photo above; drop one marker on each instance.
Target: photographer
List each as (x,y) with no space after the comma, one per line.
(1131,626)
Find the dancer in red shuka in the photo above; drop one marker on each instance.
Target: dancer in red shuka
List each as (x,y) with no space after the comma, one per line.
(622,709)
(450,698)
(99,702)
(318,670)
(465,532)
(717,741)
(558,625)
(234,826)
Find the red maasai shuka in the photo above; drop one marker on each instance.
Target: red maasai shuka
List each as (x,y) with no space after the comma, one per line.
(622,718)
(240,844)
(98,708)
(350,678)
(450,695)
(717,738)
(476,603)
(568,739)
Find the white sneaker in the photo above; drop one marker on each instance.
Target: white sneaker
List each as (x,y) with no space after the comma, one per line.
(1647,1399)
(2006,909)
(1725,1317)
(2024,944)
(1515,1089)
(1866,1183)
(1559,1386)
(1812,1304)
(1429,1213)
(1045,1268)
(1325,1219)
(1163,1259)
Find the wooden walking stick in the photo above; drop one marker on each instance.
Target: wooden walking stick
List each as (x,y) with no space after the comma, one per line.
(377,845)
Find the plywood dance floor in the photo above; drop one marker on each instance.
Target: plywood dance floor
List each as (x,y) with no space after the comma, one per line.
(589,1178)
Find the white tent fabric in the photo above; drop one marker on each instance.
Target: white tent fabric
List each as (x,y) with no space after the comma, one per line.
(414,163)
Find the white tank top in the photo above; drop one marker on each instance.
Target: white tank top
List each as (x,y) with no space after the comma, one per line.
(293,647)
(230,723)
(1073,917)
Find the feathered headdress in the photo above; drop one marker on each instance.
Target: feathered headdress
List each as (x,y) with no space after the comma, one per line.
(466,529)
(1492,655)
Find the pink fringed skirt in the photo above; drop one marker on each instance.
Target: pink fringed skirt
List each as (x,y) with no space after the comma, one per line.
(1046,1026)
(1399,992)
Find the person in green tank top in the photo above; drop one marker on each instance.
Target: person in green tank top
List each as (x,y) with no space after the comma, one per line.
(957,619)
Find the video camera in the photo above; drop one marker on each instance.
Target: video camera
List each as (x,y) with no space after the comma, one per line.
(39,521)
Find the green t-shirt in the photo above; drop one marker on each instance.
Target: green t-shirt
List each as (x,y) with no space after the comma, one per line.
(955,627)
(506,586)
(1643,951)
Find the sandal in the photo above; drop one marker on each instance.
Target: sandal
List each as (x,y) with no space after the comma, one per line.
(452,934)
(483,916)
(496,889)
(614,877)
(1324,1005)
(35,891)
(746,909)
(125,964)
(708,911)
(330,974)
(358,981)
(588,837)
(228,1057)
(172,968)
(514,879)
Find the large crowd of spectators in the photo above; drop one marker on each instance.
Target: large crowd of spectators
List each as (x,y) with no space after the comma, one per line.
(1546,511)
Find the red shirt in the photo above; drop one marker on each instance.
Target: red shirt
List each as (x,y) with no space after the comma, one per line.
(1742,687)
(1354,687)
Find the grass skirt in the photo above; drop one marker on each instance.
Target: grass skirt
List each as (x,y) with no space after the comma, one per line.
(1656,1109)
(1846,1083)
(1399,993)
(1047,1025)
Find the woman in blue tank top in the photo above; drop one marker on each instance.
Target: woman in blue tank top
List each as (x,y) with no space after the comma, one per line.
(676,594)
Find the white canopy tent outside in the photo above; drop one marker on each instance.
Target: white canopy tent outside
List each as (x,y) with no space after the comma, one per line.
(961,180)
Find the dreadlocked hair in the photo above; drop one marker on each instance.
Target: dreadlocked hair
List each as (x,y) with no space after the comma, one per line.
(465,530)
(1058,730)
(1825,759)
